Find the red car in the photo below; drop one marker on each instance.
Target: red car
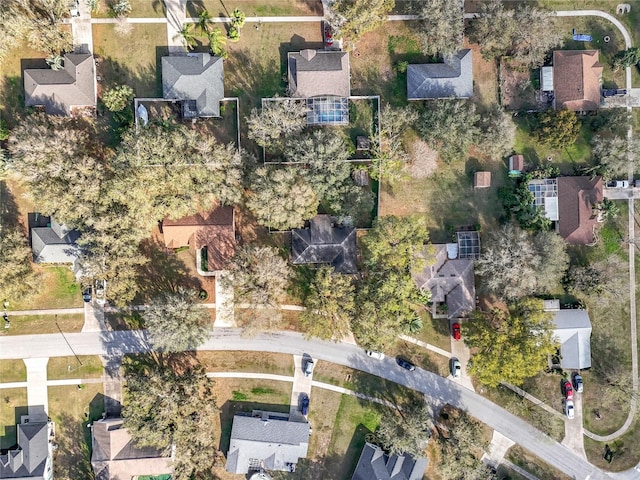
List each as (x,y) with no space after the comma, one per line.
(455,331)
(568,389)
(328,35)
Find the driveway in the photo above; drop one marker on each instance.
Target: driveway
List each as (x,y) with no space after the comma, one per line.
(460,351)
(37,396)
(301,385)
(574,430)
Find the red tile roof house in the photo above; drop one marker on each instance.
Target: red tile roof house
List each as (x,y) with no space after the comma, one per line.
(577,77)
(213,231)
(577,197)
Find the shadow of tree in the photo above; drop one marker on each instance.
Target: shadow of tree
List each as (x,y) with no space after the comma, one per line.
(73,457)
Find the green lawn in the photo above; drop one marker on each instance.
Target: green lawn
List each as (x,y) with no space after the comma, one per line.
(58,290)
(625,450)
(13,404)
(37,324)
(255,8)
(117,63)
(72,409)
(12,371)
(90,366)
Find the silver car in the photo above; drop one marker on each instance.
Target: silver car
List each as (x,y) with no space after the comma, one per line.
(569,409)
(456,368)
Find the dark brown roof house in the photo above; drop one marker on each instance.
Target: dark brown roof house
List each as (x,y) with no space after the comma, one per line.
(577,197)
(577,77)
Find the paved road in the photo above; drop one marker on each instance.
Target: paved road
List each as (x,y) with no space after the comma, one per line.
(433,386)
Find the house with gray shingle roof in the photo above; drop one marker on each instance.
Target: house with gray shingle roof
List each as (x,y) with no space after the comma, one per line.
(325,242)
(52,242)
(266,440)
(196,79)
(61,92)
(572,329)
(375,464)
(32,457)
(452,78)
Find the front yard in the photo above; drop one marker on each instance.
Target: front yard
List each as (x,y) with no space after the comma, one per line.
(12,406)
(58,289)
(42,324)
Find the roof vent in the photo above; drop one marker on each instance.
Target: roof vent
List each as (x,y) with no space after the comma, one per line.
(308,54)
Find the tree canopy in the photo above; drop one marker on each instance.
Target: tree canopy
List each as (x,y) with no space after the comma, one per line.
(515,263)
(164,407)
(525,32)
(510,346)
(441,26)
(406,430)
(18,280)
(259,278)
(614,153)
(557,128)
(353,18)
(603,280)
(276,121)
(176,322)
(330,304)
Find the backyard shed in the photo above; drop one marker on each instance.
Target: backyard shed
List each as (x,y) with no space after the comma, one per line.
(482,180)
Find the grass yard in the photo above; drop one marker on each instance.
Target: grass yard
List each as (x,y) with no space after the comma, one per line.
(546,387)
(58,290)
(117,65)
(12,406)
(624,449)
(60,368)
(40,324)
(447,198)
(255,8)
(235,395)
(422,357)
(12,371)
(512,402)
(254,362)
(139,9)
(72,410)
(534,465)
(434,331)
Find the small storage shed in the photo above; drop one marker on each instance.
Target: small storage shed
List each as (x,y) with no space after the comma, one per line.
(482,180)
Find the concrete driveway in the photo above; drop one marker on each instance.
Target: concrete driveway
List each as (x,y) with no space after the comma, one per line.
(301,386)
(460,351)
(573,429)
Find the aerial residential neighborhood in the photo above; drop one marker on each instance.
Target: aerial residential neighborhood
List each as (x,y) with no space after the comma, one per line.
(319,239)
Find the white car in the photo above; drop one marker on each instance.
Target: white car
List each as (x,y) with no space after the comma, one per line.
(618,184)
(376,355)
(456,368)
(569,409)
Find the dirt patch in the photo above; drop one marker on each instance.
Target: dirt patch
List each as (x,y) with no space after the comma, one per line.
(423,160)
(485,76)
(255,362)
(516,90)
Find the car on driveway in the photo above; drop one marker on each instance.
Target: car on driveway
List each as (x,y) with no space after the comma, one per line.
(304,404)
(569,409)
(328,35)
(406,364)
(567,389)
(455,331)
(456,368)
(308,367)
(577,382)
(86,294)
(376,355)
(618,184)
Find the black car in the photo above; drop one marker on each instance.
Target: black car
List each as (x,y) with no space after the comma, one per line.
(406,364)
(86,295)
(304,405)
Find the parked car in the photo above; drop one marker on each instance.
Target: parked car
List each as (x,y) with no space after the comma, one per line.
(618,184)
(304,404)
(569,409)
(455,331)
(86,294)
(406,364)
(577,382)
(328,35)
(376,355)
(567,389)
(308,367)
(614,92)
(456,368)
(100,291)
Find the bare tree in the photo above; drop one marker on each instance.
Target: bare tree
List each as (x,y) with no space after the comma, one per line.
(353,18)
(441,26)
(276,121)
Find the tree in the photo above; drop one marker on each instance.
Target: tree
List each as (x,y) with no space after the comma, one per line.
(329,305)
(18,280)
(118,98)
(259,278)
(449,126)
(188,34)
(406,430)
(56,62)
(121,8)
(390,156)
(526,32)
(626,58)
(280,198)
(217,40)
(353,18)
(461,442)
(510,346)
(615,154)
(515,263)
(276,121)
(237,18)
(497,132)
(605,280)
(557,128)
(164,407)
(176,322)
(204,20)
(441,27)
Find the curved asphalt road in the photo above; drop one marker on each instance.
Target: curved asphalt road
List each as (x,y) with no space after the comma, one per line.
(438,389)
